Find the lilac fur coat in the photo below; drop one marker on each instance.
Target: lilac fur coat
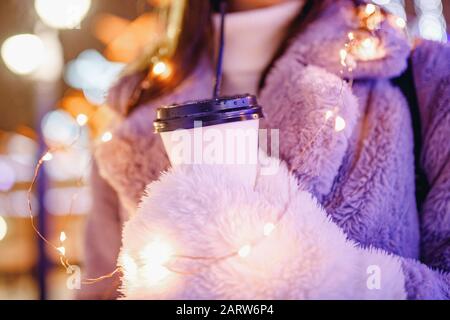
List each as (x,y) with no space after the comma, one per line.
(363,176)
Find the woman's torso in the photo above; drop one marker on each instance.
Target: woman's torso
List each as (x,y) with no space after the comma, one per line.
(367,186)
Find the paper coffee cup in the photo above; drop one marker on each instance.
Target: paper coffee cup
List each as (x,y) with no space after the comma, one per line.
(222,132)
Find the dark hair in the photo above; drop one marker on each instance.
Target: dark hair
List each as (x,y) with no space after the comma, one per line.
(194,37)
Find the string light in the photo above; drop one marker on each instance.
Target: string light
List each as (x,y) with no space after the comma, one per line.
(82,119)
(47,156)
(161,69)
(62,236)
(107,136)
(400,22)
(368,49)
(328,114)
(339,124)
(244,251)
(62,250)
(268,228)
(155,256)
(370,9)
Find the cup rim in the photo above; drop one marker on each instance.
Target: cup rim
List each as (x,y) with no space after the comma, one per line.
(209,112)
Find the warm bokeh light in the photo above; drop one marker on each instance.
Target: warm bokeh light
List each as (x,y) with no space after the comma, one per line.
(128,41)
(23,53)
(62,14)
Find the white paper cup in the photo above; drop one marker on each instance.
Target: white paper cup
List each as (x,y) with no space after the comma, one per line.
(222,132)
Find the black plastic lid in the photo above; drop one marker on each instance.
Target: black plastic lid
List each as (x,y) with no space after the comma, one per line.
(210,112)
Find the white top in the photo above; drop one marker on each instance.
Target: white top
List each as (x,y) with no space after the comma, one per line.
(251,40)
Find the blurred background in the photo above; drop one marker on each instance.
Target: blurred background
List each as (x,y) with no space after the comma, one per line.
(58,59)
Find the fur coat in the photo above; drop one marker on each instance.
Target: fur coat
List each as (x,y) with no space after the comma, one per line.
(351,208)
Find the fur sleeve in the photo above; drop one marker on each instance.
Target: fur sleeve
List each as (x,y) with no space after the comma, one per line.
(200,234)
(431,67)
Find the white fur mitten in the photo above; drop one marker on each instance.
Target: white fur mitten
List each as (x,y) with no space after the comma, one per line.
(201,234)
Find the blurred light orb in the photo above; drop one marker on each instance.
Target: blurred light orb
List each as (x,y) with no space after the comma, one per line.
(62,14)
(59,128)
(7,176)
(23,53)
(3,228)
(22,150)
(52,63)
(93,74)
(70,164)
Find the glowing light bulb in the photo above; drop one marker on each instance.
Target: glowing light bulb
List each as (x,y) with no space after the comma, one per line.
(129,267)
(82,119)
(244,251)
(61,250)
(343,55)
(62,14)
(160,68)
(62,236)
(400,22)
(339,124)
(3,228)
(366,47)
(23,53)
(107,136)
(370,9)
(351,36)
(154,256)
(368,43)
(268,228)
(328,114)
(47,156)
